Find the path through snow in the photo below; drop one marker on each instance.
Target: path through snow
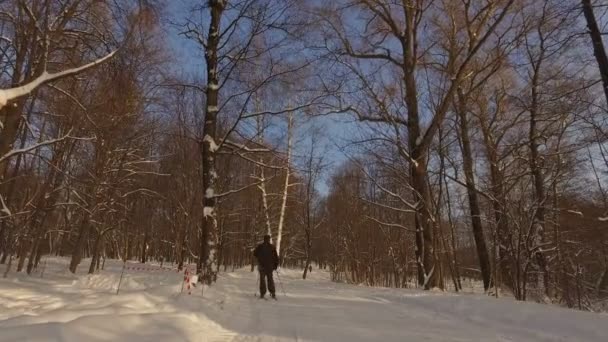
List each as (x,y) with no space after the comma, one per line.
(63,307)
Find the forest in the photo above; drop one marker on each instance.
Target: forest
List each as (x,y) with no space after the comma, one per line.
(396,143)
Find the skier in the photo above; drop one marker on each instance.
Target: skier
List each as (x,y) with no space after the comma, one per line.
(268,261)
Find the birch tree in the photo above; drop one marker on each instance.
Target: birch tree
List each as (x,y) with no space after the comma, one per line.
(287,185)
(239,36)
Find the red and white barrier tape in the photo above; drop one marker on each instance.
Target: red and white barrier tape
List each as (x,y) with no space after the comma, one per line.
(190,280)
(153,269)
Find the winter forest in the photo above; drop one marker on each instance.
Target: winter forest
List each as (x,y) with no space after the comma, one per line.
(392,143)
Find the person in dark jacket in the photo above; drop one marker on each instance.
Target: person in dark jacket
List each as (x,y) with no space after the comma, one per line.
(268,261)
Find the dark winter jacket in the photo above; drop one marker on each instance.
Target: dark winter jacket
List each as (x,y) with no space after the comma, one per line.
(267,256)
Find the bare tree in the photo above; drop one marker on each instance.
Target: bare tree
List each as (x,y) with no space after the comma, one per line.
(598,44)
(253,31)
(404,23)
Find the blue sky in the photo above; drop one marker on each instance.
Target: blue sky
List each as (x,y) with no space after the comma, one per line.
(338,129)
(188,62)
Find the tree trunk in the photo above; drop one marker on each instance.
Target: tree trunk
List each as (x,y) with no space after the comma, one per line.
(3,243)
(206,265)
(538,226)
(265,209)
(4,256)
(11,122)
(427,274)
(506,262)
(285,186)
(4,170)
(598,44)
(144,247)
(425,255)
(262,179)
(11,116)
(22,254)
(33,255)
(96,252)
(81,240)
(308,253)
(8,267)
(467,156)
(456,265)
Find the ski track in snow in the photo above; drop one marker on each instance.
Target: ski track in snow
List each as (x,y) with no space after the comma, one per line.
(64,307)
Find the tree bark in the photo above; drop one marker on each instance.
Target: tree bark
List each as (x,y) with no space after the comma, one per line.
(424,224)
(425,255)
(285,186)
(83,234)
(474,208)
(144,254)
(11,123)
(538,226)
(506,262)
(598,45)
(207,258)
(96,251)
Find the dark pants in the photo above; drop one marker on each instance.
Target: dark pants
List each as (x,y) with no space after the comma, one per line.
(266,276)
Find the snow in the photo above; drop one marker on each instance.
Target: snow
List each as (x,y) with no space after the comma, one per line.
(4,209)
(575,212)
(427,277)
(15,152)
(209,193)
(207,211)
(212,145)
(10,94)
(64,307)
(4,97)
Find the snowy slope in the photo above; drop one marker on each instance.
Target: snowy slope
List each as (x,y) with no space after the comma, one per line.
(62,307)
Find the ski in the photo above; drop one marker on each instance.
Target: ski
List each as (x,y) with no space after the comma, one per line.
(265,298)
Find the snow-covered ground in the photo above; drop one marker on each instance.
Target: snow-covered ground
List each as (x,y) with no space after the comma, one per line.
(63,307)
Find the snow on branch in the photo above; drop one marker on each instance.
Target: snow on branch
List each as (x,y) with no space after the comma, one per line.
(477,190)
(5,210)
(33,147)
(10,94)
(381,205)
(386,118)
(391,225)
(412,206)
(213,147)
(234,191)
(576,212)
(259,163)
(245,148)
(427,277)
(278,112)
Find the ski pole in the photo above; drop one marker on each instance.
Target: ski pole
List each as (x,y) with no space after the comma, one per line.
(124,265)
(257,282)
(281,283)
